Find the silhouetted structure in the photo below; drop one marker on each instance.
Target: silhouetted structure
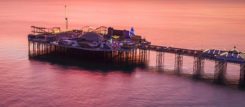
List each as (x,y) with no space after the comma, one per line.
(71,45)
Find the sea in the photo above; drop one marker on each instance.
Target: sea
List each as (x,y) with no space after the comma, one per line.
(191,24)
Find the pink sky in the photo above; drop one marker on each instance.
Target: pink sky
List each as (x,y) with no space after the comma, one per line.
(190,24)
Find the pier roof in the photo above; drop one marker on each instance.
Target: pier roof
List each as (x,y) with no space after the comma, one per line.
(91,36)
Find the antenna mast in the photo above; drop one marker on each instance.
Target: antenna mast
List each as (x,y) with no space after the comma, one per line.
(66,18)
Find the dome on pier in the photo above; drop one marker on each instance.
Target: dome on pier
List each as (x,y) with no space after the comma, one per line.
(91,36)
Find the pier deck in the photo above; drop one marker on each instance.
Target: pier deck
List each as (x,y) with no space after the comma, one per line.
(190,52)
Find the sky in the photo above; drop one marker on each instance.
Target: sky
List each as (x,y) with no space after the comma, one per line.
(202,24)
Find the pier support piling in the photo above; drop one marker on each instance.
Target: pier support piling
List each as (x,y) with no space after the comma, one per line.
(198,67)
(220,71)
(242,76)
(159,60)
(178,63)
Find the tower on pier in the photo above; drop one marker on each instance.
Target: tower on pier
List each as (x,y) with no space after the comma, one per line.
(66,18)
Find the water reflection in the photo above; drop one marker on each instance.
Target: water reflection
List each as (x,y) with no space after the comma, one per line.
(90,65)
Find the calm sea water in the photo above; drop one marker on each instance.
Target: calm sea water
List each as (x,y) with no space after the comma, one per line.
(194,25)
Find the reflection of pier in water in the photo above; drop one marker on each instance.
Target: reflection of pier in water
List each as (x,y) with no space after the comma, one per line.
(133,58)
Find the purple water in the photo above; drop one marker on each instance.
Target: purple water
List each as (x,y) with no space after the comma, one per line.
(204,25)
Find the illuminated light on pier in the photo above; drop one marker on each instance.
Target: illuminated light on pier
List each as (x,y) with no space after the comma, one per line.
(158,48)
(195,52)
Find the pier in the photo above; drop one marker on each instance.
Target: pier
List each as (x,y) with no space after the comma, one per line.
(199,62)
(122,57)
(136,55)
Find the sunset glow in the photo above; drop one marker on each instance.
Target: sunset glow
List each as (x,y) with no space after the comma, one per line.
(166,53)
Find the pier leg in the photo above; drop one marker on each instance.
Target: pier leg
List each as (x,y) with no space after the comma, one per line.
(242,76)
(148,57)
(220,71)
(42,49)
(46,48)
(34,48)
(132,59)
(178,63)
(140,56)
(159,60)
(198,67)
(38,48)
(145,55)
